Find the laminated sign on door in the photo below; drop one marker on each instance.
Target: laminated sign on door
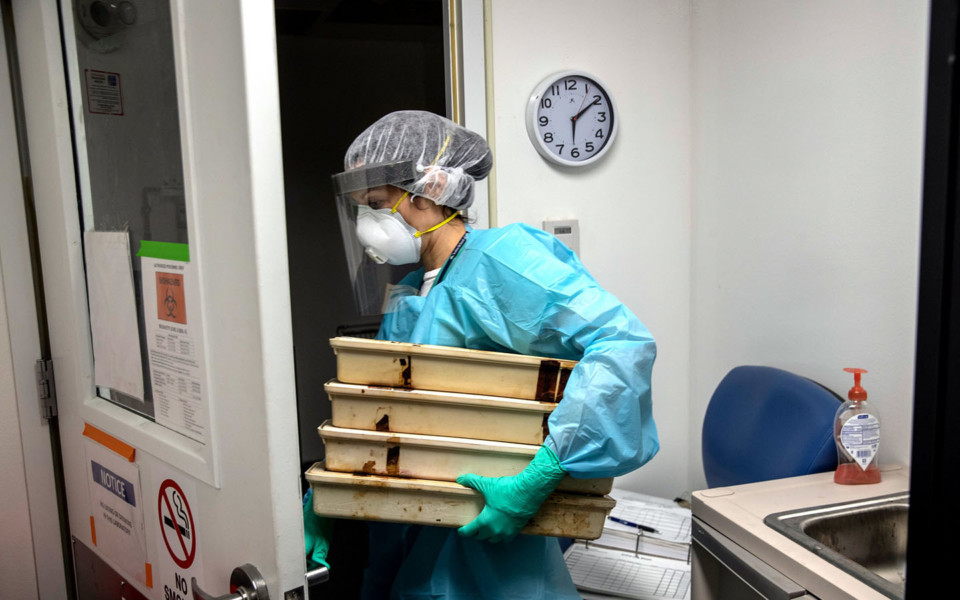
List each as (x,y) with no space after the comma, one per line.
(178,542)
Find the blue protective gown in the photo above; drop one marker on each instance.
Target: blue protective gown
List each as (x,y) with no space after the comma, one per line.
(518,289)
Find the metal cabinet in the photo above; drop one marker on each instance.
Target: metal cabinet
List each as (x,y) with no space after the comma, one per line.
(723,570)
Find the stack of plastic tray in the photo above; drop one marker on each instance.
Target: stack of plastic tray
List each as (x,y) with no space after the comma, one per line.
(409,418)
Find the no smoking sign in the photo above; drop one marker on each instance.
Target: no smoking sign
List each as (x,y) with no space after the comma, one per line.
(176,524)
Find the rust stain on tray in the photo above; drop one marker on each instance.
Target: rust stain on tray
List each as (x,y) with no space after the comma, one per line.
(547,380)
(393,460)
(546,426)
(369,467)
(383,424)
(564,376)
(406,367)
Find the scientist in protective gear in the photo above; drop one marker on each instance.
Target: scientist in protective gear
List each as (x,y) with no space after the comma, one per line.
(510,289)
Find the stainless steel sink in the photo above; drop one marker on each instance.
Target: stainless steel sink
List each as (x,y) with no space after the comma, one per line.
(867,538)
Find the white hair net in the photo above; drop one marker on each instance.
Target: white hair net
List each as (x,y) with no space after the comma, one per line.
(448,158)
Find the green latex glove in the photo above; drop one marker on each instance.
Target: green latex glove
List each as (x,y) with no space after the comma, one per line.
(316,533)
(511,501)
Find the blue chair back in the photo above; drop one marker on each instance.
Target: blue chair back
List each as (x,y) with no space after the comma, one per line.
(764,423)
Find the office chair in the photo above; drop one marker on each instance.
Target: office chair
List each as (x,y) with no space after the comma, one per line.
(764,423)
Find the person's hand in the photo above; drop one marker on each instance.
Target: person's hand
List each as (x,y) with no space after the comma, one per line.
(511,501)
(316,534)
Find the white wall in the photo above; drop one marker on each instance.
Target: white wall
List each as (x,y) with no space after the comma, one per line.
(634,204)
(762,202)
(808,139)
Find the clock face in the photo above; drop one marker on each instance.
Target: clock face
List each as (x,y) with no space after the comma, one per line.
(571,119)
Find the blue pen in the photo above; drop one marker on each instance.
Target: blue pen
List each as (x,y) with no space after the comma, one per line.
(632,524)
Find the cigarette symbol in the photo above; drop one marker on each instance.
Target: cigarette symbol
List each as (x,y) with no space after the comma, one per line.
(185,528)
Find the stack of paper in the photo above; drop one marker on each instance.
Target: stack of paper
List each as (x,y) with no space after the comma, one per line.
(671,522)
(627,575)
(631,562)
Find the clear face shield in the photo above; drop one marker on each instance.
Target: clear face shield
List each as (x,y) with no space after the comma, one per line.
(362,196)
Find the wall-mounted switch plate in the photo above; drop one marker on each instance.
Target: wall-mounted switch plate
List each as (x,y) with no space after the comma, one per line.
(567,232)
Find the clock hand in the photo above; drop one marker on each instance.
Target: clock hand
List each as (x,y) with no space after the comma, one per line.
(573,120)
(585,109)
(586,87)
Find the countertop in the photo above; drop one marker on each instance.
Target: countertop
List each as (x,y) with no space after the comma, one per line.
(738,512)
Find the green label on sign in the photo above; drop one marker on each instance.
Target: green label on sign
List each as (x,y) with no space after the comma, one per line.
(164,250)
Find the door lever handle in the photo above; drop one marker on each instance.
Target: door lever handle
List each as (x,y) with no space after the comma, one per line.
(317,576)
(246,583)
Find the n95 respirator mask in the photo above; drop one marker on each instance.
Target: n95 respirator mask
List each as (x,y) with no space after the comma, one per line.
(386,237)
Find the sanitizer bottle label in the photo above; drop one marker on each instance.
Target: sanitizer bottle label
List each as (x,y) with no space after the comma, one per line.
(860,436)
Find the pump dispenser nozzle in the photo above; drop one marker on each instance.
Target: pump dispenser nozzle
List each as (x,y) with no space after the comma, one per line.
(856,393)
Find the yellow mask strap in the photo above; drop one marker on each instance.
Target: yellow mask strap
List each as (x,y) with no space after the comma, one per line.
(437,226)
(395,206)
(405,194)
(442,148)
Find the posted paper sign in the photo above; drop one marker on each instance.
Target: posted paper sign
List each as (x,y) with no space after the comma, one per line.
(104,96)
(172,315)
(116,505)
(113,312)
(178,531)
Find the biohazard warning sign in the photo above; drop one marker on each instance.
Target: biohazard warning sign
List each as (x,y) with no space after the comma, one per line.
(171,305)
(174,337)
(176,524)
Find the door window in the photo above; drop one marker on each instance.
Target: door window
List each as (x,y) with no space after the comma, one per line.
(128,152)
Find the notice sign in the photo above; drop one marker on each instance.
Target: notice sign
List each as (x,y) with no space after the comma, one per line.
(178,540)
(116,508)
(103,92)
(175,344)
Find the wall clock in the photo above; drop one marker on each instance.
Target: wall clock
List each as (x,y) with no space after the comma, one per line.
(571,118)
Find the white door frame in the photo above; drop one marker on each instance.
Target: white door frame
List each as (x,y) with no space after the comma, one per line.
(472,26)
(18,291)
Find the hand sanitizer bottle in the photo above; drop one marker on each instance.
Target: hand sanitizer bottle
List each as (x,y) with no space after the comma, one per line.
(857,432)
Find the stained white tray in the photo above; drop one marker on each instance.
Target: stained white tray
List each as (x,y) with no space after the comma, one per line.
(445,504)
(441,368)
(438,413)
(435,457)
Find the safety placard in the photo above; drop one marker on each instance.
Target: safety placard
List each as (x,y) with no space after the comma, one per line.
(116,507)
(104,95)
(176,524)
(177,527)
(171,303)
(174,335)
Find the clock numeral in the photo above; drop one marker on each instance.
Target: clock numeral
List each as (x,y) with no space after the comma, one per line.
(555,89)
(597,98)
(589,146)
(570,84)
(601,116)
(544,121)
(546,103)
(599,134)
(561,149)
(548,137)
(575,153)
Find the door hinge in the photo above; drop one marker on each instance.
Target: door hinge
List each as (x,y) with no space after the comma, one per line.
(46,389)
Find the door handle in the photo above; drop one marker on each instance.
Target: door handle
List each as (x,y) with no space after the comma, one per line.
(318,576)
(246,583)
